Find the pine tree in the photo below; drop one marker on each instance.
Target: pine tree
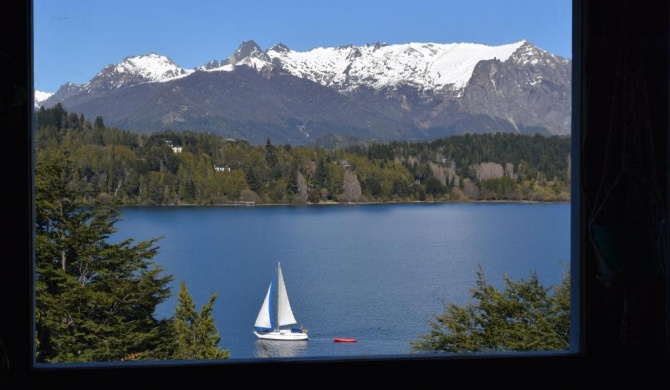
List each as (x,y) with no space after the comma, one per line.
(270,154)
(196,336)
(94,299)
(98,124)
(321,175)
(524,316)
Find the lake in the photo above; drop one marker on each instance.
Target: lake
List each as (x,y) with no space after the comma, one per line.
(375,272)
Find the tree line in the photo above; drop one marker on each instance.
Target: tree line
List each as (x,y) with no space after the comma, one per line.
(173,168)
(95,299)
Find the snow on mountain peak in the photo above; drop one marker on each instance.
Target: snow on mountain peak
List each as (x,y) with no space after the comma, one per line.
(41,97)
(430,66)
(152,67)
(136,70)
(422,79)
(427,65)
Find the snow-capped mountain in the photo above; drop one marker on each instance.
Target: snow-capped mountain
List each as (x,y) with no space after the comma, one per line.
(426,66)
(131,71)
(136,70)
(404,91)
(40,97)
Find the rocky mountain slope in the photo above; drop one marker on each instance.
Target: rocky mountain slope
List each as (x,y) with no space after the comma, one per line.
(414,91)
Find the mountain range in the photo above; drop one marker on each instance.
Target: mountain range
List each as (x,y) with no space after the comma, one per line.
(413,91)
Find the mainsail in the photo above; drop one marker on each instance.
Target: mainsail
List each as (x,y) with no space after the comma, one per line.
(284,312)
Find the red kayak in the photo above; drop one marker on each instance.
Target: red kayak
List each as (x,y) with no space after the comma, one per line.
(344,340)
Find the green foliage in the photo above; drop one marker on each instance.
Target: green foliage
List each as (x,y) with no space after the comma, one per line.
(524,316)
(169,167)
(94,299)
(498,189)
(378,151)
(270,154)
(434,187)
(196,336)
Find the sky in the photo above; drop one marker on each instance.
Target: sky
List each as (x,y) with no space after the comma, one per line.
(75,39)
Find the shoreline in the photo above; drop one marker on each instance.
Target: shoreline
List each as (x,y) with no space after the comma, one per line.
(331,203)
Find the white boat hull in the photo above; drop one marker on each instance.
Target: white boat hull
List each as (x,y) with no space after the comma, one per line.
(282,335)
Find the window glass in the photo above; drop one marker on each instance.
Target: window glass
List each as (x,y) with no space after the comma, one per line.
(377,228)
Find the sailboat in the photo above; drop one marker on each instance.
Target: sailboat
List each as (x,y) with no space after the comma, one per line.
(275,319)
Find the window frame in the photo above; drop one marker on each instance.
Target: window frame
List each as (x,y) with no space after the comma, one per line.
(595,309)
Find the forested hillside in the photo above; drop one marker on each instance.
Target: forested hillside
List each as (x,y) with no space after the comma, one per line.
(179,168)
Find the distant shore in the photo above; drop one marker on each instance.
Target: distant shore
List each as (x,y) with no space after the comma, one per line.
(332,203)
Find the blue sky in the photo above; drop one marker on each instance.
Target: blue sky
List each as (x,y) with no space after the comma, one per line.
(75,39)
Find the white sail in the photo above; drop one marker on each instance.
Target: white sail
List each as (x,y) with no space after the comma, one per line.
(264,319)
(284,312)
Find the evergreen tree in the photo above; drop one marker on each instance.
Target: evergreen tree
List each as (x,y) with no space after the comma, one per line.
(196,336)
(270,154)
(98,124)
(253,180)
(292,182)
(524,316)
(434,187)
(321,176)
(94,299)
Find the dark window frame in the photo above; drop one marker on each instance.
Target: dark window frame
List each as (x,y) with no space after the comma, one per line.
(596,309)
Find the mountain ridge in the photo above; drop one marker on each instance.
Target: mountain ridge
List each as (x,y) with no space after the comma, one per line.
(408,91)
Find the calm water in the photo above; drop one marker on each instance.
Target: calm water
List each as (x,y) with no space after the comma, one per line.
(376,273)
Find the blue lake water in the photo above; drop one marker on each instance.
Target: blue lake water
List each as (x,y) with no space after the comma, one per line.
(377,273)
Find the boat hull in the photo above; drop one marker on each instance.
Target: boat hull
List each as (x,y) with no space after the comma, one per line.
(344,340)
(282,335)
